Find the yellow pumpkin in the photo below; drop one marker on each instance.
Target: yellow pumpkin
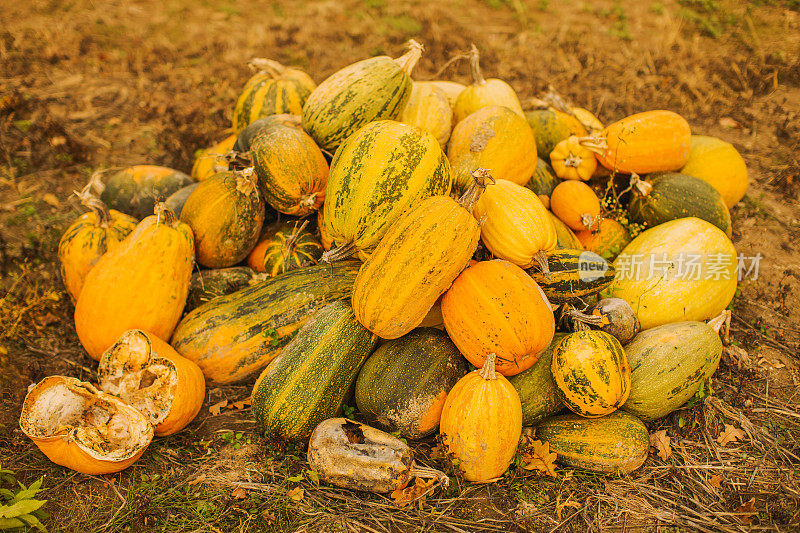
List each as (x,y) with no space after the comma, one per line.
(88,238)
(571,161)
(720,164)
(148,374)
(82,428)
(451,89)
(575,204)
(141,284)
(496,138)
(428,108)
(515,226)
(212,160)
(484,92)
(482,422)
(587,119)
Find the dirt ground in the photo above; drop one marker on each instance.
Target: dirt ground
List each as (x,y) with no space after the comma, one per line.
(86,84)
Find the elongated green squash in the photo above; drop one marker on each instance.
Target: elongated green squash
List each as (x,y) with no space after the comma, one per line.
(536,388)
(614,444)
(373,89)
(209,284)
(573,273)
(310,380)
(544,179)
(403,385)
(668,365)
(377,174)
(233,336)
(667,196)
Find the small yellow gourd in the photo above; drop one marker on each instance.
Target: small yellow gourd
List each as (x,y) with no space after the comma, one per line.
(484,92)
(571,161)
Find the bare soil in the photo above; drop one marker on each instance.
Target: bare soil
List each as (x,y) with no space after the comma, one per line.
(86,84)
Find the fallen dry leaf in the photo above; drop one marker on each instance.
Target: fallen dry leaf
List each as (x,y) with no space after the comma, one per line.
(51,199)
(748,510)
(217,407)
(731,434)
(715,480)
(661,442)
(540,458)
(241,404)
(198,479)
(269,516)
(417,491)
(239,493)
(728,122)
(296,494)
(46,320)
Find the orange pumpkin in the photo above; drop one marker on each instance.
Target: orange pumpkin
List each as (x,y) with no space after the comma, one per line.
(482,93)
(495,307)
(607,239)
(148,374)
(515,225)
(142,283)
(571,161)
(643,143)
(88,238)
(575,204)
(482,422)
(82,428)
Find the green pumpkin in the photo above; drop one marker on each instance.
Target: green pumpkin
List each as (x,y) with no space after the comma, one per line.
(544,179)
(134,190)
(537,390)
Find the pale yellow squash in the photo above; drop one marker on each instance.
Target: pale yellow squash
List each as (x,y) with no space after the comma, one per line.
(720,164)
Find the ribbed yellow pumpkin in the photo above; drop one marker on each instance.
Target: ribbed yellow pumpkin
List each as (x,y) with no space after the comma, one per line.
(591,372)
(415,262)
(212,160)
(496,138)
(571,161)
(681,270)
(482,93)
(481,423)
(720,164)
(515,226)
(428,108)
(451,89)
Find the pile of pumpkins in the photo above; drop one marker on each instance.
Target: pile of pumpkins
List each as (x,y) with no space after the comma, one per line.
(369,239)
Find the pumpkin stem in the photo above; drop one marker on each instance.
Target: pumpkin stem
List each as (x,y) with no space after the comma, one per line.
(589,221)
(310,201)
(581,321)
(475,66)
(594,143)
(410,59)
(94,203)
(541,259)
(340,252)
(291,241)
(245,181)
(428,473)
(479,178)
(487,371)
(162,208)
(641,187)
(722,325)
(556,101)
(573,160)
(269,66)
(238,160)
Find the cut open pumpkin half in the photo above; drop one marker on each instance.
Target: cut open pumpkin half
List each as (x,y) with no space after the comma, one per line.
(80,427)
(148,374)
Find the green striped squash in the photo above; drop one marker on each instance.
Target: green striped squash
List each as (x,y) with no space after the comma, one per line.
(614,444)
(669,363)
(565,237)
(310,380)
(403,385)
(592,373)
(377,174)
(550,127)
(292,172)
(206,285)
(668,196)
(536,388)
(283,247)
(245,138)
(544,179)
(234,336)
(274,90)
(373,89)
(573,274)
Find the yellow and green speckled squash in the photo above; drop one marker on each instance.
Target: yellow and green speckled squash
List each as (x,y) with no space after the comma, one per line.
(373,89)
(377,174)
(537,390)
(607,238)
(700,264)
(720,164)
(614,444)
(428,108)
(283,247)
(292,172)
(572,274)
(274,90)
(565,237)
(134,190)
(415,262)
(211,160)
(592,373)
(543,180)
(496,138)
(669,364)
(550,127)
(484,92)
(311,379)
(403,385)
(88,238)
